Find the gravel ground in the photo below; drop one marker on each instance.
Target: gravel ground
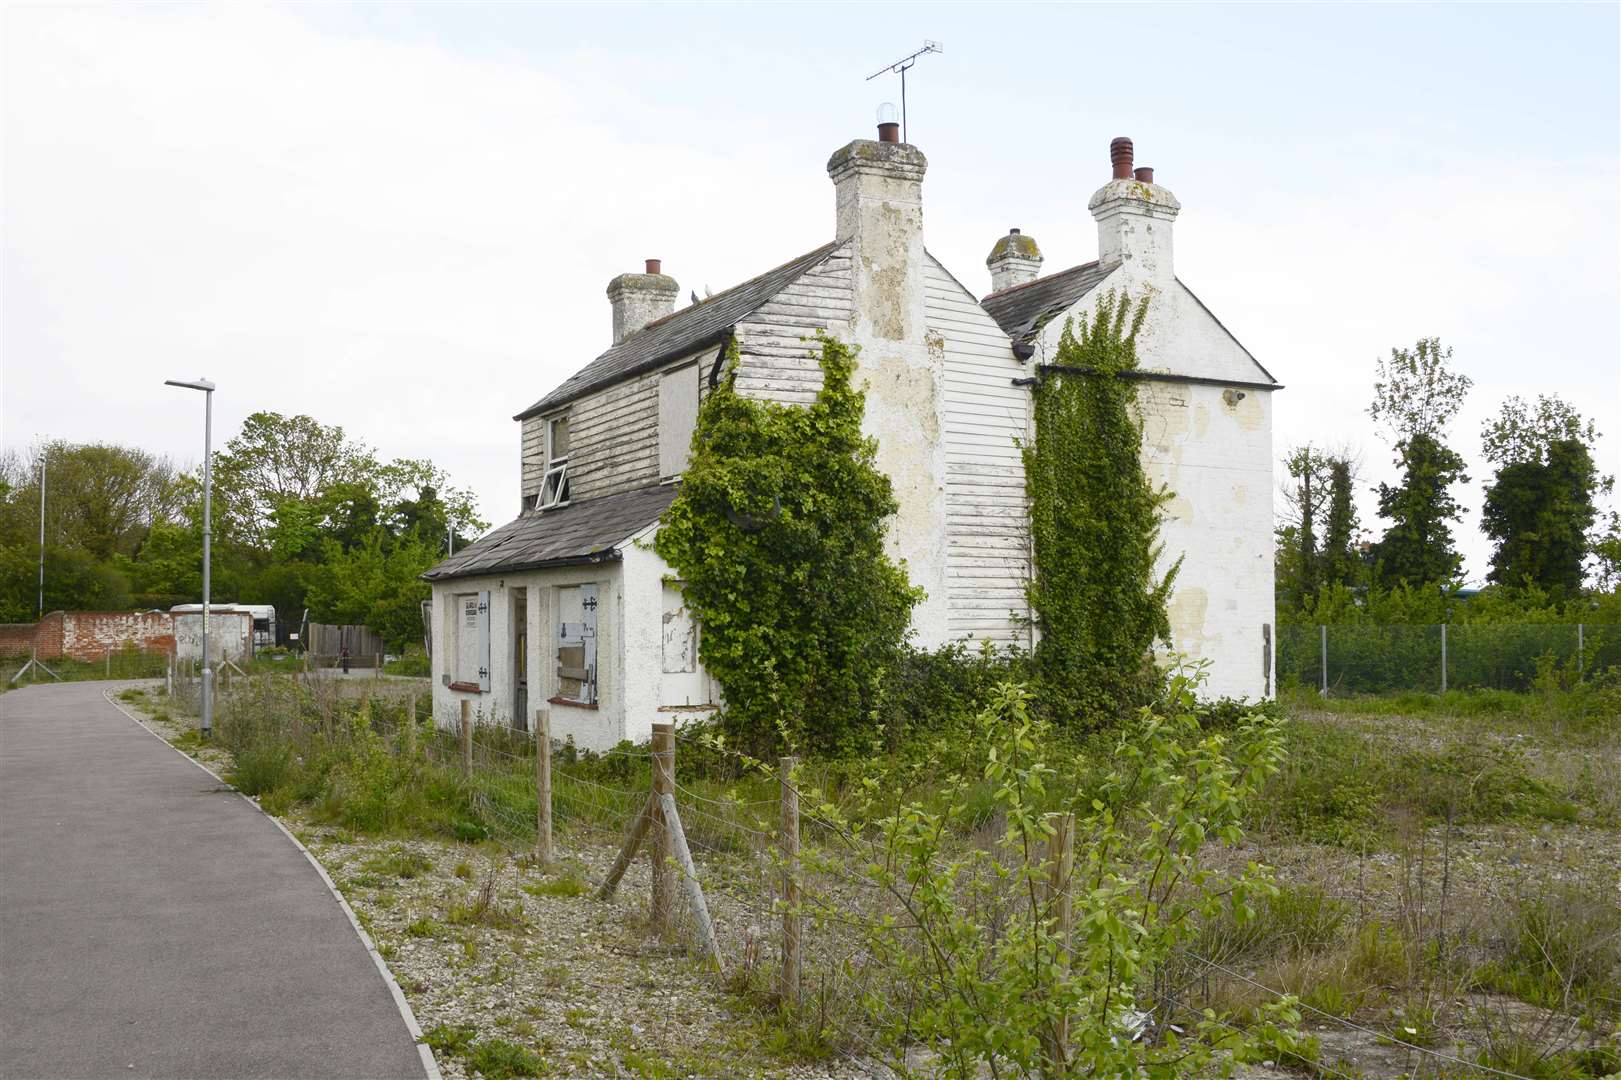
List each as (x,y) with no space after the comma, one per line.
(582,984)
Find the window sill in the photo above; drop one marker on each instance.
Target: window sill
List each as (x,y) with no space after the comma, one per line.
(571,704)
(467,687)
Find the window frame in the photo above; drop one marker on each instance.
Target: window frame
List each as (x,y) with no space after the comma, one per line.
(554,480)
(581,635)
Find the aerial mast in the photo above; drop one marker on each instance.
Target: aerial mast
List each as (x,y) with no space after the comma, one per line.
(900,67)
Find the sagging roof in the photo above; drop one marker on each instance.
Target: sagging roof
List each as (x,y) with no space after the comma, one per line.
(676,335)
(1024,309)
(589,531)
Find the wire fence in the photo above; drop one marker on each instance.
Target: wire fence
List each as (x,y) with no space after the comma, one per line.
(1375,659)
(787,891)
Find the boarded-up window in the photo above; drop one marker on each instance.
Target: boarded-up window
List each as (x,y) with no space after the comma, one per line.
(678,415)
(470,632)
(577,644)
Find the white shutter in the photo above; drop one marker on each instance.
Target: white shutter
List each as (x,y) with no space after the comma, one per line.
(484,641)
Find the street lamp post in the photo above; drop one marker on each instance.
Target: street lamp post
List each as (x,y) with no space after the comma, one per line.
(208,461)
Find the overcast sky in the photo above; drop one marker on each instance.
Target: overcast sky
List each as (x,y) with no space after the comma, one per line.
(402,219)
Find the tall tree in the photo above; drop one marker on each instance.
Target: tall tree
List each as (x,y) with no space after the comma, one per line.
(1540,505)
(1340,562)
(275,459)
(1308,470)
(1416,394)
(1418,547)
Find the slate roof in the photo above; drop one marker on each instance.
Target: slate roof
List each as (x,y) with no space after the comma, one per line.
(1024,309)
(673,336)
(589,531)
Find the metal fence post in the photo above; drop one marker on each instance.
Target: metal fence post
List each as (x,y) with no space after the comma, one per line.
(1443,658)
(1322,634)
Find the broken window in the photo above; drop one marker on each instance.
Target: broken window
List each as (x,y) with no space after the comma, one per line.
(554,486)
(577,644)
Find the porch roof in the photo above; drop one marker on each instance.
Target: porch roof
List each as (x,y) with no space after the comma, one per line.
(581,532)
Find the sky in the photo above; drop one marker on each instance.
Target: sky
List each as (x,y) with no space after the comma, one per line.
(402,219)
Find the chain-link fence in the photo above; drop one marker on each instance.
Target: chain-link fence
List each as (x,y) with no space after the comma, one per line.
(1369,659)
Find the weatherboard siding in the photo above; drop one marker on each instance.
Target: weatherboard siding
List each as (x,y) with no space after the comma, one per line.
(987,530)
(776,361)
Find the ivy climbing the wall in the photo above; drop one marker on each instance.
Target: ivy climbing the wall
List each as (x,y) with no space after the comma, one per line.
(1094,518)
(777,536)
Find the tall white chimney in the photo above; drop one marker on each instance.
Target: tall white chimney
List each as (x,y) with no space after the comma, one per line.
(639,299)
(879,202)
(1134,217)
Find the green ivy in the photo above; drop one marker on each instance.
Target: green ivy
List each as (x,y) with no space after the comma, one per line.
(1094,519)
(777,536)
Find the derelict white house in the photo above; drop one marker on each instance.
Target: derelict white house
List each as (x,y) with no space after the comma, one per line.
(567,604)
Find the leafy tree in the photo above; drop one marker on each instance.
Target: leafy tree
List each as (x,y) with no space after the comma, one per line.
(277,458)
(777,535)
(1300,567)
(1541,504)
(1418,547)
(1094,519)
(376,583)
(74,580)
(1538,513)
(1416,394)
(1341,565)
(1520,433)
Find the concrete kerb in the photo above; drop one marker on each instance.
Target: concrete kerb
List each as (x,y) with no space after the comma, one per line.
(429,1065)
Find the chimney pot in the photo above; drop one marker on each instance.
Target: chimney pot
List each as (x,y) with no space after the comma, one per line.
(654,265)
(1013,232)
(1144,175)
(1120,153)
(890,132)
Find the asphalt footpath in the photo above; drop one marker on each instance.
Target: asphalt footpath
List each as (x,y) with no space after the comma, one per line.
(154,924)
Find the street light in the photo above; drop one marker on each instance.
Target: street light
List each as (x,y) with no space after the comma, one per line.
(208,454)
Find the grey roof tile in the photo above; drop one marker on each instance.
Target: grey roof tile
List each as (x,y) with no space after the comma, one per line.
(1024,309)
(588,531)
(676,335)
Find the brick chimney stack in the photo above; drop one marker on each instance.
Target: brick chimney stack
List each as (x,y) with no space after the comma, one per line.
(639,299)
(1134,217)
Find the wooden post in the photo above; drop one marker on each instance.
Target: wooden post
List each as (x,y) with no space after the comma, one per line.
(411,725)
(633,840)
(1061,909)
(543,785)
(661,851)
(467,738)
(689,878)
(109,659)
(788,842)
(377,671)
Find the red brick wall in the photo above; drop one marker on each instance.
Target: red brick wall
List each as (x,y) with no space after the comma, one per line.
(90,635)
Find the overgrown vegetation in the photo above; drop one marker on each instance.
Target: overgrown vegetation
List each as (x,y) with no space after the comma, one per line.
(777,536)
(1095,594)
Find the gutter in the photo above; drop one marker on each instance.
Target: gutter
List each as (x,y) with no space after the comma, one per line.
(1146,376)
(611,554)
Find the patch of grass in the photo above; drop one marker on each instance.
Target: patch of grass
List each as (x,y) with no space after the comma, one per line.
(497,1059)
(464,870)
(567,884)
(423,927)
(1559,947)
(1298,920)
(482,908)
(450,1038)
(399,863)
(261,768)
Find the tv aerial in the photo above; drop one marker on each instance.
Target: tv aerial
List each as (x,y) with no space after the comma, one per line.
(901,67)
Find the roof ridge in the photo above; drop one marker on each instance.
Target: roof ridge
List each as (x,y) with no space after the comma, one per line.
(694,327)
(1044,280)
